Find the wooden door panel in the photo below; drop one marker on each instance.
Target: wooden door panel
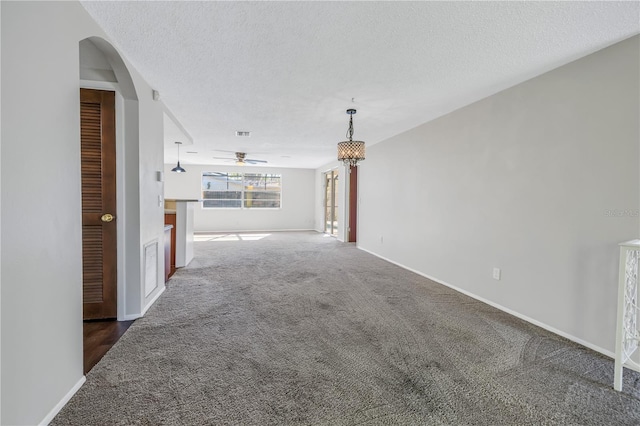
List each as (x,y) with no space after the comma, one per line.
(353,204)
(92,264)
(98,164)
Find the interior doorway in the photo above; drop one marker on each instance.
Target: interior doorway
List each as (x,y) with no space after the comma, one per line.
(331,202)
(102,69)
(108,129)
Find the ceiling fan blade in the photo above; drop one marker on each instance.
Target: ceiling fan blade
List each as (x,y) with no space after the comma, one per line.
(248,160)
(223,150)
(223,158)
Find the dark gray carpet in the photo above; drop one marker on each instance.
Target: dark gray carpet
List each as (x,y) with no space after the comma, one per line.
(298,328)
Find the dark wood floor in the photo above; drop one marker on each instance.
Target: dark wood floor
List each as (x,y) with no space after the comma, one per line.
(99,337)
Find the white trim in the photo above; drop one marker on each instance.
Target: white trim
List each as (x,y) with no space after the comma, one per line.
(130,317)
(554,330)
(150,249)
(152,301)
(242,192)
(238,208)
(121,251)
(100,85)
(332,168)
(254,230)
(55,410)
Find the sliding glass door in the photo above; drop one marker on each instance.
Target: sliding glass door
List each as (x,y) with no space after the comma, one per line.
(331,203)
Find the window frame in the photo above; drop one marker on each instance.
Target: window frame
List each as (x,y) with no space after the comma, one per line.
(242,190)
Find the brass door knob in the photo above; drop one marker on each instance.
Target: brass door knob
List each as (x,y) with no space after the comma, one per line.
(107,217)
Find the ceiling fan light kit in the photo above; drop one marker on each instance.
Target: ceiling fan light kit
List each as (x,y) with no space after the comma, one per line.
(241,159)
(178,169)
(350,152)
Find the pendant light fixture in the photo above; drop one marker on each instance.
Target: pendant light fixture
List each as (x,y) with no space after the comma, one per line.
(177,168)
(350,152)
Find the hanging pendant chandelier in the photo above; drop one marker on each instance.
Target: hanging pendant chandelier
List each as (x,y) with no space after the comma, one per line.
(350,152)
(177,168)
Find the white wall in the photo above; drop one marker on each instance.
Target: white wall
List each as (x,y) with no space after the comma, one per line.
(150,189)
(525,180)
(297,212)
(41,254)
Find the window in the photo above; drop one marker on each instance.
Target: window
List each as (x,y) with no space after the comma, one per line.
(241,190)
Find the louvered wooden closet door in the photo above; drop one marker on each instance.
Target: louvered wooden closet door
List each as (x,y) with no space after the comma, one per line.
(99,247)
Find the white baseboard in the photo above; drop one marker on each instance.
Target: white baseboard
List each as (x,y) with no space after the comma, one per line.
(237,231)
(554,330)
(80,382)
(54,412)
(130,317)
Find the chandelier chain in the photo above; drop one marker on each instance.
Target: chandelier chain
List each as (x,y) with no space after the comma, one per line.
(350,130)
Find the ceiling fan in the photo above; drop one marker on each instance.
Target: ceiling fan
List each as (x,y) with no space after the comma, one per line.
(241,159)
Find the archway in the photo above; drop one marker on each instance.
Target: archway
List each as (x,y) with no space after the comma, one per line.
(102,68)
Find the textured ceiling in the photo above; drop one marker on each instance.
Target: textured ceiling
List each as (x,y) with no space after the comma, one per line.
(287,71)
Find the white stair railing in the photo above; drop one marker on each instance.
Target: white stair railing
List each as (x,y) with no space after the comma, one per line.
(628,331)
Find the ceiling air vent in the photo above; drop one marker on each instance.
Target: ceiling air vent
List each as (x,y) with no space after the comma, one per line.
(243,134)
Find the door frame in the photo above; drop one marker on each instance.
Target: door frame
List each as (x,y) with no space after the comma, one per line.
(345,197)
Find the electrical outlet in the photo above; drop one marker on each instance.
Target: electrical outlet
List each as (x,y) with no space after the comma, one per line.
(496,273)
